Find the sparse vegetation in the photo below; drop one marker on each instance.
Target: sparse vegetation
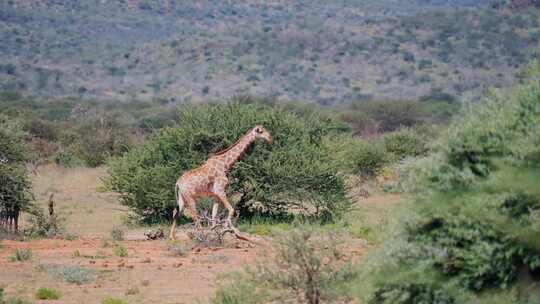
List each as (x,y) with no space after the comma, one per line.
(10,300)
(307,268)
(71,274)
(132,291)
(179,249)
(120,251)
(21,255)
(117,234)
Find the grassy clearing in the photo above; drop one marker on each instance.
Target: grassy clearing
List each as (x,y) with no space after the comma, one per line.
(87,210)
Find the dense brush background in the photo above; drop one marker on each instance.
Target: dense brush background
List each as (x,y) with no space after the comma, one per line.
(316,51)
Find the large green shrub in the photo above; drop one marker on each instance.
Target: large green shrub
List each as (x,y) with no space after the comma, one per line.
(475,224)
(296,174)
(15,186)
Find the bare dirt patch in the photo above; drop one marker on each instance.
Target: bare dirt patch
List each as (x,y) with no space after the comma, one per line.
(150,273)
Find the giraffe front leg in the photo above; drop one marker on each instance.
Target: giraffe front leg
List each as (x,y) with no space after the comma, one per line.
(230,209)
(215,208)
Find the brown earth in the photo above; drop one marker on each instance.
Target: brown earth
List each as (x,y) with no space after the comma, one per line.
(150,273)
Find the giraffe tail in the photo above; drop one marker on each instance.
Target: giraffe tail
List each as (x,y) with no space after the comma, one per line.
(177,210)
(179,198)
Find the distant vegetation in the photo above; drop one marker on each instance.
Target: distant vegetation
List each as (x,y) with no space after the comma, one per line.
(317,51)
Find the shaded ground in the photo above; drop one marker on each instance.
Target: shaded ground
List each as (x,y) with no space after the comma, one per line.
(150,271)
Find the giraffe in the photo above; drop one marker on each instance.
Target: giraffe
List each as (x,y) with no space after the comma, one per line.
(210,179)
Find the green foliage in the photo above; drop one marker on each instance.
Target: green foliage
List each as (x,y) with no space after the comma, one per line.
(67,158)
(110,300)
(405,143)
(48,294)
(366,158)
(15,186)
(10,300)
(71,274)
(103,137)
(120,251)
(474,225)
(296,172)
(307,268)
(21,255)
(117,234)
(42,225)
(411,293)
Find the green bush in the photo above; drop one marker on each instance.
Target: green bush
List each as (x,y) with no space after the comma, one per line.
(117,234)
(365,158)
(10,300)
(307,268)
(71,274)
(48,294)
(110,300)
(42,225)
(67,158)
(15,186)
(120,251)
(21,255)
(411,293)
(475,224)
(296,172)
(405,143)
(100,138)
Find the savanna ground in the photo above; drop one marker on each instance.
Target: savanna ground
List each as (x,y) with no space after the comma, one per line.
(150,273)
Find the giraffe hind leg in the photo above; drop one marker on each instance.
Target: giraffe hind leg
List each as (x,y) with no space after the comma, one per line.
(177,210)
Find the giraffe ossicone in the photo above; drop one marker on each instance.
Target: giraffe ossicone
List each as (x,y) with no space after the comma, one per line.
(210,179)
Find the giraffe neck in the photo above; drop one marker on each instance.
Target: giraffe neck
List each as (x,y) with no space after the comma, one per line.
(236,152)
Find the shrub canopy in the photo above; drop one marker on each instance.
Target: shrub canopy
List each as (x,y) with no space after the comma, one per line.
(475,224)
(295,175)
(15,185)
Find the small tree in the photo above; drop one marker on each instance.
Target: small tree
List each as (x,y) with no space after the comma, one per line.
(307,267)
(295,175)
(15,186)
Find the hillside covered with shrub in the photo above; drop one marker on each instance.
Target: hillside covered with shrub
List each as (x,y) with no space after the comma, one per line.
(316,51)
(472,233)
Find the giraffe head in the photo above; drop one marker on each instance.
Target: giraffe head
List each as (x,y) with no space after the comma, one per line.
(260,132)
